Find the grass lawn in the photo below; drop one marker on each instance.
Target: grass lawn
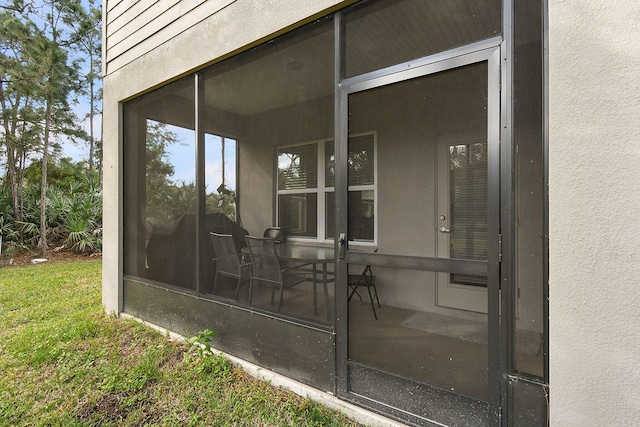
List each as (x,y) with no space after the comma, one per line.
(63,362)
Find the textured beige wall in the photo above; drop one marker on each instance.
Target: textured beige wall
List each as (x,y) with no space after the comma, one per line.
(594,138)
(245,21)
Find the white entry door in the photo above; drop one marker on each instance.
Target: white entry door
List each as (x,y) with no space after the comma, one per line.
(461,216)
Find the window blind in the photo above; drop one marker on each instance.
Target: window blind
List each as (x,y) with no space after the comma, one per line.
(361,161)
(298,167)
(468,204)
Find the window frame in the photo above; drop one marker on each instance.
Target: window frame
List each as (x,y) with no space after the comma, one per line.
(321,190)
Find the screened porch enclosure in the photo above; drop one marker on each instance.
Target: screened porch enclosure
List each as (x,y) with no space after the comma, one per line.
(248,116)
(279,171)
(388,157)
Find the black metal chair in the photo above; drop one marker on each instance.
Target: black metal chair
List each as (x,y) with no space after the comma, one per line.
(368,280)
(228,262)
(277,234)
(266,268)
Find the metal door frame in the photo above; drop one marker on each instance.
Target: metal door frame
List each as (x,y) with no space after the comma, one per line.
(489,50)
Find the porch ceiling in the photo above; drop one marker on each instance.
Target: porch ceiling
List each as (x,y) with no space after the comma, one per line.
(301,69)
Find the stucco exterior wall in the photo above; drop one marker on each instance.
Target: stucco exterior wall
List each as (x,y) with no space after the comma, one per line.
(594,207)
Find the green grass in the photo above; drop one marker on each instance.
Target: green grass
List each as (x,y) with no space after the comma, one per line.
(63,362)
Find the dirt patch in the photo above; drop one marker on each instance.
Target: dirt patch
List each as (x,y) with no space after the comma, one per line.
(106,410)
(113,408)
(173,360)
(52,257)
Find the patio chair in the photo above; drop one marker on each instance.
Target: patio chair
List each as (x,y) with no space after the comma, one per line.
(364,279)
(228,262)
(275,233)
(266,268)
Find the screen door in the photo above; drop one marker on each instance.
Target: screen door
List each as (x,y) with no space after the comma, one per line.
(418,162)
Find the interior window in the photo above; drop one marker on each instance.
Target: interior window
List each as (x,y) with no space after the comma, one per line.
(306,185)
(297,189)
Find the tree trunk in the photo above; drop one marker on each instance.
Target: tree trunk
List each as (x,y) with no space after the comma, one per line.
(13,181)
(43,184)
(9,134)
(91,103)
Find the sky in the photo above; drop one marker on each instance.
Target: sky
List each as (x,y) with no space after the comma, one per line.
(182,156)
(81,151)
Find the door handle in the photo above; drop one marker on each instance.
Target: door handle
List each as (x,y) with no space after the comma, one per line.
(342,239)
(444,230)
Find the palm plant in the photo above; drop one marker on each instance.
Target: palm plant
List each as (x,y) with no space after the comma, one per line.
(31,204)
(7,230)
(83,235)
(58,204)
(7,226)
(73,214)
(73,217)
(83,222)
(30,225)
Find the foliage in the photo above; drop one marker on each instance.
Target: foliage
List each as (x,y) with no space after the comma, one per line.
(166,198)
(65,363)
(62,173)
(89,48)
(42,47)
(73,211)
(7,230)
(201,342)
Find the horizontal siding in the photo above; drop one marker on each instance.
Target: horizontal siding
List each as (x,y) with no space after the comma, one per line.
(112,4)
(134,28)
(129,15)
(118,7)
(144,22)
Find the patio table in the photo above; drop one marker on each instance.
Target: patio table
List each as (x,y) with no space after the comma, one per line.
(313,255)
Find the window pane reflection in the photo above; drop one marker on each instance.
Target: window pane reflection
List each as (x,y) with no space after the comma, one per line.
(220,175)
(468,206)
(275,102)
(361,166)
(361,215)
(171,192)
(170,174)
(159,186)
(298,167)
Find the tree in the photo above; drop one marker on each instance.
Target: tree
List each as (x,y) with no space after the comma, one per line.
(18,113)
(62,173)
(158,166)
(42,43)
(89,46)
(55,80)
